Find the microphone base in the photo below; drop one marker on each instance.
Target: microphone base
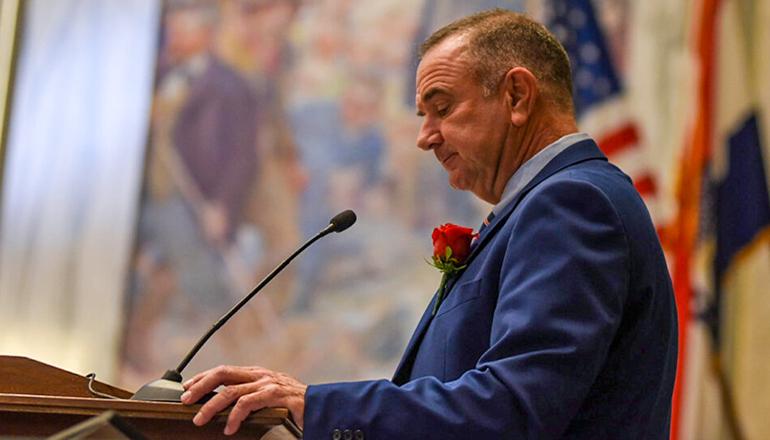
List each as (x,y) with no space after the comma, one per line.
(167,389)
(161,390)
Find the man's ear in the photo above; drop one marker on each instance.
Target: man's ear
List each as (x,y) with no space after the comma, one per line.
(522,90)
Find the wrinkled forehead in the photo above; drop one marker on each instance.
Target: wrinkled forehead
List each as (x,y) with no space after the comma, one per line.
(445,63)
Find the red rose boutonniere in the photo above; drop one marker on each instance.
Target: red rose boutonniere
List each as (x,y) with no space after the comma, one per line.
(451,247)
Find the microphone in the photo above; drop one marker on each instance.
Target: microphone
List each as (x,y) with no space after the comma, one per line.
(340,222)
(169,387)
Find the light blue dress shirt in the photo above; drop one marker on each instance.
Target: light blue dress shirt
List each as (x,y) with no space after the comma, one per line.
(533,166)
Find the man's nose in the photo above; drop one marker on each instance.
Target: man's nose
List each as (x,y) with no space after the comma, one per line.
(429,137)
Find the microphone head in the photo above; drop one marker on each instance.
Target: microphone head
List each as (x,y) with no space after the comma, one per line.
(342,221)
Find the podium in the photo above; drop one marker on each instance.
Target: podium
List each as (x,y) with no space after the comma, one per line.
(38,400)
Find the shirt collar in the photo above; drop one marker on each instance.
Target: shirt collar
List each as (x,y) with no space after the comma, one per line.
(533,166)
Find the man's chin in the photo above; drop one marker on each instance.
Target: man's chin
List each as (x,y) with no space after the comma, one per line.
(458,183)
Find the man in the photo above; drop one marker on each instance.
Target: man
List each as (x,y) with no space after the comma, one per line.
(563,324)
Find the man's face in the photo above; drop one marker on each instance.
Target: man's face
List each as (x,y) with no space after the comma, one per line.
(466,130)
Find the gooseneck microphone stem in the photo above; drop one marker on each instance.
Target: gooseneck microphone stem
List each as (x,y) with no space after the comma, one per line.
(169,387)
(246,299)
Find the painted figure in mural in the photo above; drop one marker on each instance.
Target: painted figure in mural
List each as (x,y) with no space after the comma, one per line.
(343,145)
(217,129)
(563,323)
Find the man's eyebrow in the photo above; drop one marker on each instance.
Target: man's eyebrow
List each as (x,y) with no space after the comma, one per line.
(428,95)
(431,92)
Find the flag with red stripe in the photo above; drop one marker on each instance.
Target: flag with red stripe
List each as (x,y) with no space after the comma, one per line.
(600,98)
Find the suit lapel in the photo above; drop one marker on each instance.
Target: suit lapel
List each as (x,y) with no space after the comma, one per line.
(404,368)
(580,152)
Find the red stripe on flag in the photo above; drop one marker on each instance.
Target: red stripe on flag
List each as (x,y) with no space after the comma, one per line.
(615,141)
(645,184)
(689,188)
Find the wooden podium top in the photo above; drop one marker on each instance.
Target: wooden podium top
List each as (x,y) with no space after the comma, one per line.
(39,400)
(21,375)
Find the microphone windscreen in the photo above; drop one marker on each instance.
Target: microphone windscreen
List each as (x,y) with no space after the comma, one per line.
(343,220)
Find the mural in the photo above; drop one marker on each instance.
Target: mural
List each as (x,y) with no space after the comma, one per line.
(269,117)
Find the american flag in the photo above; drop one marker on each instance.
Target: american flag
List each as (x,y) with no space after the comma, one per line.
(720,224)
(600,101)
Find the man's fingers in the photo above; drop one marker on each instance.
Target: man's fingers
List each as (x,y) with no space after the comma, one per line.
(209,380)
(252,388)
(222,400)
(191,381)
(193,389)
(246,405)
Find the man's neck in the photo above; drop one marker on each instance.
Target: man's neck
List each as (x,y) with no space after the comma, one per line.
(539,133)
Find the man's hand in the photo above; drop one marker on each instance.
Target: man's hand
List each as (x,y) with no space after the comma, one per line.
(251,388)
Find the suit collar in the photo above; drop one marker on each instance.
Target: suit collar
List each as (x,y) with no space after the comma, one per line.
(579,152)
(529,169)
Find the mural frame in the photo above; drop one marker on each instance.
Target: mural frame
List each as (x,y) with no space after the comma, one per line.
(11,13)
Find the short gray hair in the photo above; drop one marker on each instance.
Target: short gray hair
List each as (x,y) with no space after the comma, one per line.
(499,40)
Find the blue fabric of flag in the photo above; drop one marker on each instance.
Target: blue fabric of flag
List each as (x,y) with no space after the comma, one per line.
(741,206)
(594,77)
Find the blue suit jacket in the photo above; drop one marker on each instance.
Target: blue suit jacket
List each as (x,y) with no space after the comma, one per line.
(563,325)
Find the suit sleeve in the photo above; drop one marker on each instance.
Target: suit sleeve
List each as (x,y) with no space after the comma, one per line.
(561,293)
